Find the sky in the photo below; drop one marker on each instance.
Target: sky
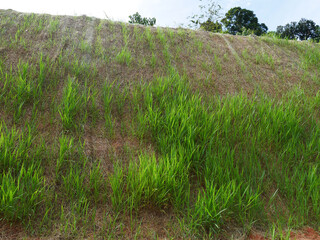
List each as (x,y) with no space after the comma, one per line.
(170,13)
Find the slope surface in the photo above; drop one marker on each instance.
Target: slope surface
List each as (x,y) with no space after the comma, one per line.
(113,130)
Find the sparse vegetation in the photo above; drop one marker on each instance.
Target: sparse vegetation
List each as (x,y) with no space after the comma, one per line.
(124,56)
(155,133)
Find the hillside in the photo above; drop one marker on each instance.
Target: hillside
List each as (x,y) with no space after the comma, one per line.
(113,130)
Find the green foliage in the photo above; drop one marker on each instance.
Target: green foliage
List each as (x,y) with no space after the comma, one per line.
(307,29)
(136,18)
(304,30)
(117,183)
(213,161)
(180,124)
(153,60)
(150,38)
(84,46)
(227,152)
(310,58)
(237,20)
(66,149)
(317,33)
(216,204)
(21,178)
(107,98)
(14,147)
(23,88)
(265,58)
(97,183)
(74,100)
(211,26)
(209,17)
(73,183)
(21,194)
(217,62)
(288,31)
(53,27)
(157,183)
(124,56)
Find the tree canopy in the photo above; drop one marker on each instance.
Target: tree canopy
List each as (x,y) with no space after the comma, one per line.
(243,21)
(306,29)
(287,31)
(211,26)
(303,30)
(136,18)
(238,20)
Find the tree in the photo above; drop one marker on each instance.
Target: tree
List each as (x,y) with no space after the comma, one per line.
(306,29)
(238,20)
(288,31)
(209,17)
(317,38)
(211,26)
(303,30)
(262,29)
(136,18)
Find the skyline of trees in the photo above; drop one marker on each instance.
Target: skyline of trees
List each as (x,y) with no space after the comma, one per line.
(240,21)
(303,30)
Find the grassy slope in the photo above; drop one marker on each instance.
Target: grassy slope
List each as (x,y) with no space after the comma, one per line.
(118,130)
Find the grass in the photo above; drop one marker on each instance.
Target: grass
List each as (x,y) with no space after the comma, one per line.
(217,62)
(81,69)
(107,100)
(310,58)
(130,143)
(73,102)
(53,28)
(150,38)
(161,36)
(99,48)
(22,180)
(66,149)
(245,54)
(266,59)
(23,88)
(198,44)
(121,97)
(85,46)
(21,194)
(233,178)
(153,60)
(124,57)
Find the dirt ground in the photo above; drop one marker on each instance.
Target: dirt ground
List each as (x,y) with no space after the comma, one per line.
(307,233)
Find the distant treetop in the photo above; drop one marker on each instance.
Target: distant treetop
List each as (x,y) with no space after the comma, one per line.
(238,20)
(209,18)
(136,18)
(303,30)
